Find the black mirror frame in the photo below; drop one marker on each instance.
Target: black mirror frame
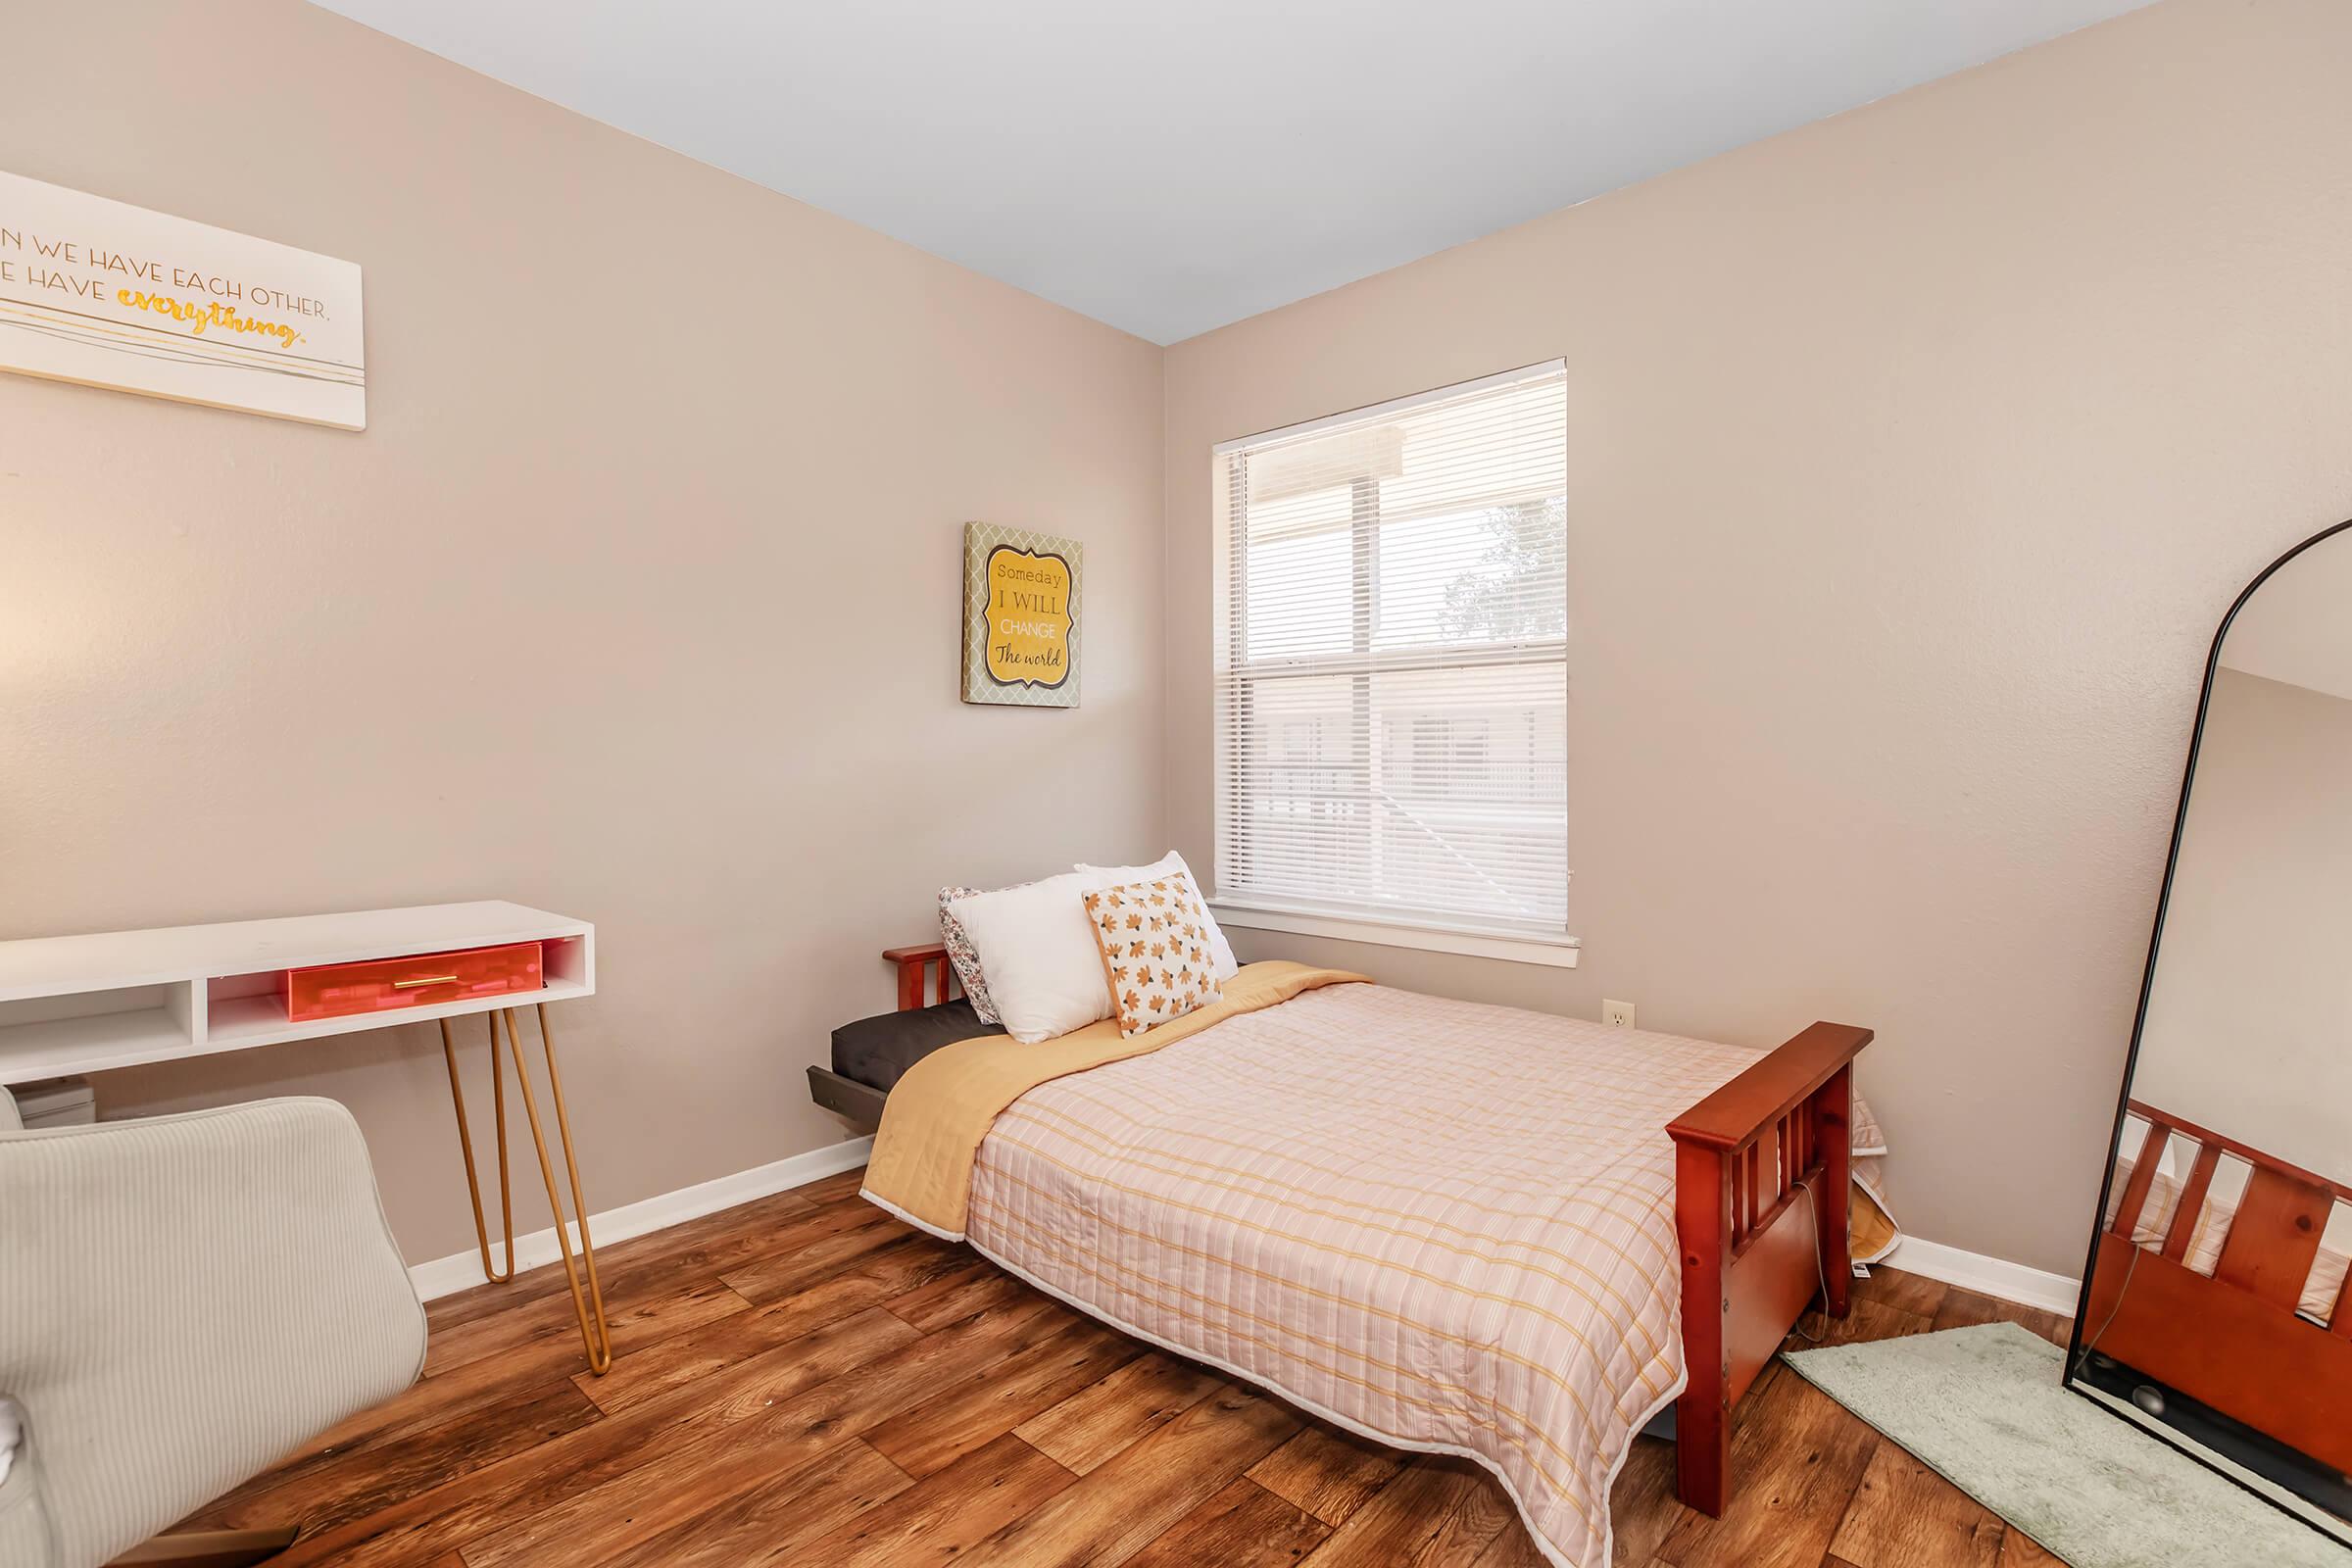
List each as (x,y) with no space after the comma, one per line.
(2147,983)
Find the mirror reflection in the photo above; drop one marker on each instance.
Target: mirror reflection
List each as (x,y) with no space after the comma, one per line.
(2215,1313)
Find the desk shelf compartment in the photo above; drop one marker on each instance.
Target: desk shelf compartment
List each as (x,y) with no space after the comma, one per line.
(44,1037)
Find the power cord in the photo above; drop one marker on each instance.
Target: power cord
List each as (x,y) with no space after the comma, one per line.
(2083,1359)
(1821,1271)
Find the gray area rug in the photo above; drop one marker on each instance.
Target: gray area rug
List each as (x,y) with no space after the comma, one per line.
(1983,1407)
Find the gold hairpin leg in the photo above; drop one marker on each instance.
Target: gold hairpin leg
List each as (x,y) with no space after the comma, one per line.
(473,1186)
(595,1331)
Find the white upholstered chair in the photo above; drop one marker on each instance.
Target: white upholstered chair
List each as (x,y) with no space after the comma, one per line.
(182,1301)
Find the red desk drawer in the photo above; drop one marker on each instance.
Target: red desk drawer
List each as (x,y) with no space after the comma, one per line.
(380,984)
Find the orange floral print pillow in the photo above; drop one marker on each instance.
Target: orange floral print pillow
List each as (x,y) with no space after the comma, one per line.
(1155,955)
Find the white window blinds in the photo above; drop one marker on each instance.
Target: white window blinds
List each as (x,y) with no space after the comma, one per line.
(1392,679)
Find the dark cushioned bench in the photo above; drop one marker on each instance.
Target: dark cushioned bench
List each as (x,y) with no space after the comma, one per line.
(870,1055)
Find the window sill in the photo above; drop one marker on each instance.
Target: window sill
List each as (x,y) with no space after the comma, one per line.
(1557,955)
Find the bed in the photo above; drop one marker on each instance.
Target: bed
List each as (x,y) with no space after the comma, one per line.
(1452,1227)
(2228,1291)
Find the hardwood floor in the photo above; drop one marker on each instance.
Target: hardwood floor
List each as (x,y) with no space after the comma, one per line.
(803,1380)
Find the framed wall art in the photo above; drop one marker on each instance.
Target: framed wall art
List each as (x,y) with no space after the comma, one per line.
(105,294)
(1020,617)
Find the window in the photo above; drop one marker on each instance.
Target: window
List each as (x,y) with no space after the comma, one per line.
(1392,671)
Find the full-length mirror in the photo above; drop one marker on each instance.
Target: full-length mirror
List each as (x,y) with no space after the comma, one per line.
(2215,1311)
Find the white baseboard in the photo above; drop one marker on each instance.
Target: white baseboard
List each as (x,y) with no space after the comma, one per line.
(2010,1281)
(445,1276)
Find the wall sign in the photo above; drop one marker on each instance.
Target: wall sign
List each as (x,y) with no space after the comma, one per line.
(107,294)
(1020,617)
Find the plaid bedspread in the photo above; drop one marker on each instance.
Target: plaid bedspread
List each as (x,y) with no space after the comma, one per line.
(1447,1225)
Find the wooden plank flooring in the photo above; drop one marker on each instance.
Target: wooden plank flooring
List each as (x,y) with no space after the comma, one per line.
(804,1381)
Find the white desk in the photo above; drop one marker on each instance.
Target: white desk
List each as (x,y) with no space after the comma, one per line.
(89,1003)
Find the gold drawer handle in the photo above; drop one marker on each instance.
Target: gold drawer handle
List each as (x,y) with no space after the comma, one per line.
(428,980)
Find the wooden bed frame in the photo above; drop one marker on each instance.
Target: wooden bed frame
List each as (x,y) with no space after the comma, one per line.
(2234,1340)
(1762,1173)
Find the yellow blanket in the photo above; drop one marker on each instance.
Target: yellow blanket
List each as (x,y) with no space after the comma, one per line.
(933,1122)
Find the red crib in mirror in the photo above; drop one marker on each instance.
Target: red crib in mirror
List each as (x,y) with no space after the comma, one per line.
(2265,1336)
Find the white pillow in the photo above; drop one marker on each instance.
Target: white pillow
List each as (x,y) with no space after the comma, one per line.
(1220,950)
(1037,948)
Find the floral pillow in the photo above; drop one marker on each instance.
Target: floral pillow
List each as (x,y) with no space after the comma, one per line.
(963,954)
(1153,937)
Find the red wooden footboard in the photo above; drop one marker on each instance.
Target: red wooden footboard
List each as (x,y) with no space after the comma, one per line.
(1761,1173)
(2232,1339)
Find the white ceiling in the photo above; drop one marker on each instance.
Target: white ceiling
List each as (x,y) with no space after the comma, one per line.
(1173,166)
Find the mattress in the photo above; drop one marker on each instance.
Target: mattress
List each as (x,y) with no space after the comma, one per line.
(1447,1225)
(877,1052)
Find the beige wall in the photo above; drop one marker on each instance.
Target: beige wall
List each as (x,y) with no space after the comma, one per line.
(2252,1005)
(1913,458)
(1914,455)
(637,599)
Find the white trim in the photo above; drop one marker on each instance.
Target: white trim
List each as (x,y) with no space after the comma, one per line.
(445,1276)
(1994,1276)
(1557,953)
(1396,406)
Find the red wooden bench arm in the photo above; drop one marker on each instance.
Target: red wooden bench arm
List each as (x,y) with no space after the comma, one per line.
(912,962)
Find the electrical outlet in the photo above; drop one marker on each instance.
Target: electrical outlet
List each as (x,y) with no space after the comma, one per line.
(1617,1012)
